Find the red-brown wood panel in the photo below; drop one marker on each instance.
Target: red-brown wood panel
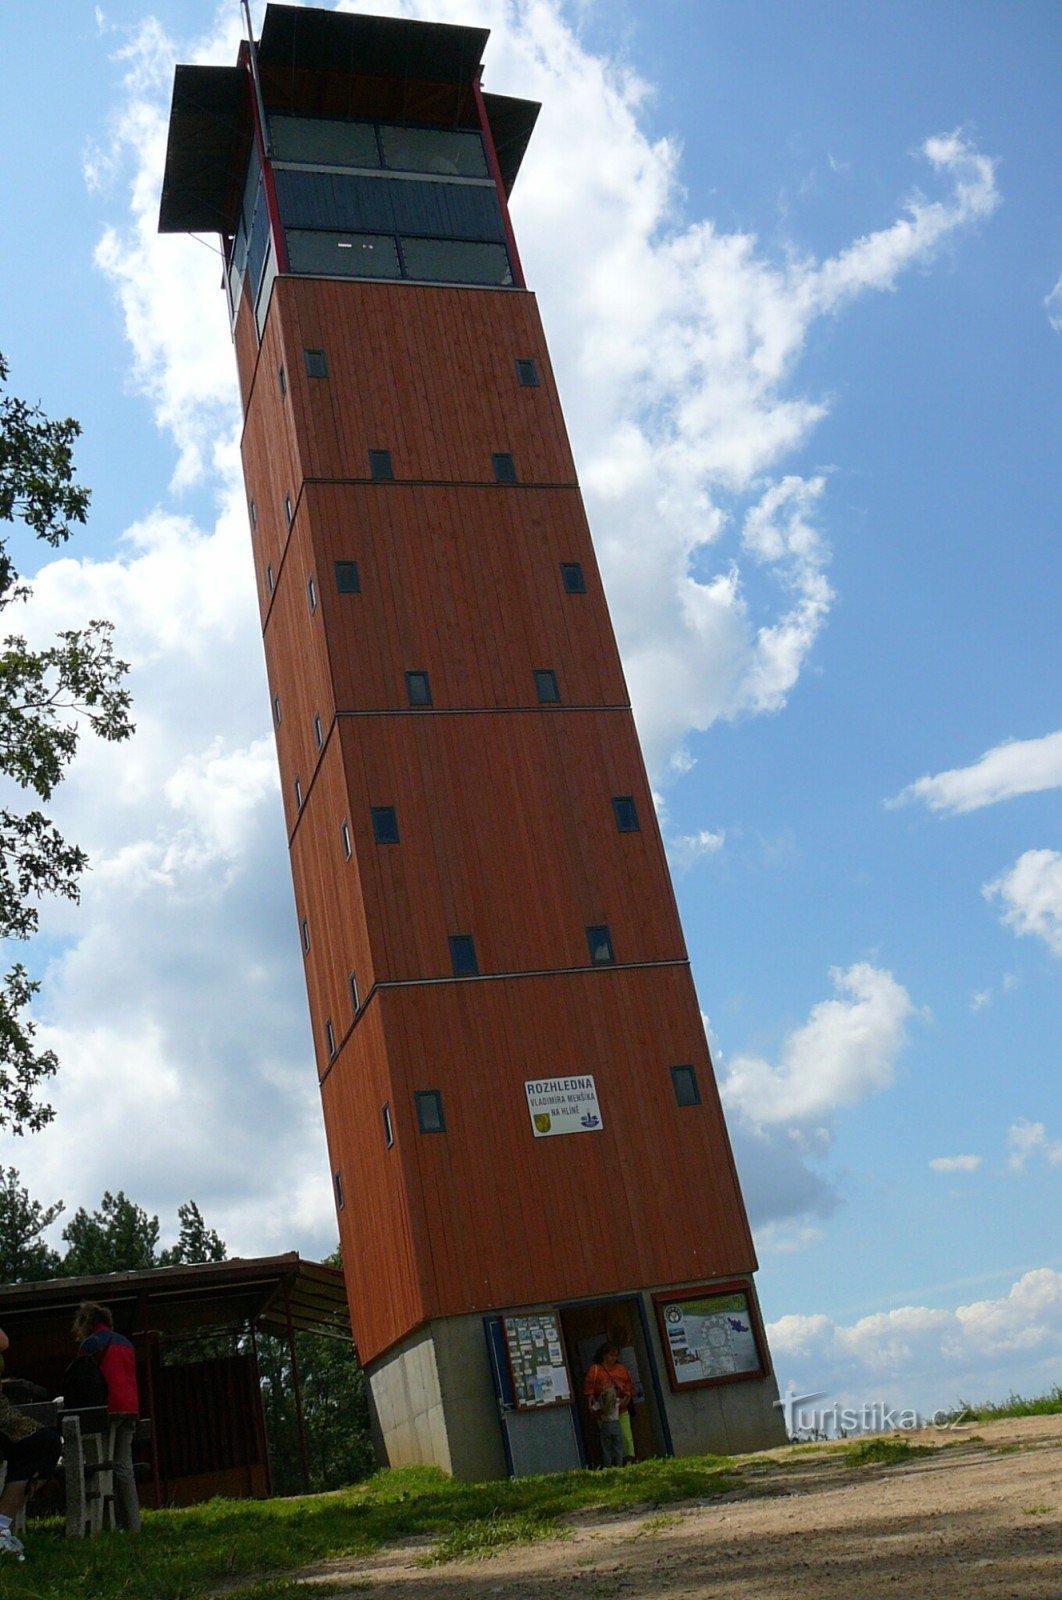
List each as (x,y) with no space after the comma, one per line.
(384,1254)
(509,1219)
(328,897)
(507,832)
(465,584)
(428,373)
(504,808)
(298,670)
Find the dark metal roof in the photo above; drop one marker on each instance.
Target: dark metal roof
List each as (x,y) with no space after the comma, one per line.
(208,150)
(384,47)
(210,120)
(511,125)
(183,1300)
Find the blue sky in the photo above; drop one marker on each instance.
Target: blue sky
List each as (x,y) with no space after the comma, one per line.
(796,266)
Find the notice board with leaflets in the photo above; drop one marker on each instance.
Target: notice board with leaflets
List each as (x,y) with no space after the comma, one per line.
(537,1365)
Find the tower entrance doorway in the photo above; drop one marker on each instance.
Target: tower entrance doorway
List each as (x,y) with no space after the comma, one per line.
(586,1328)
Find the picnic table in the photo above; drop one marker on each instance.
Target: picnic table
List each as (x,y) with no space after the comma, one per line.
(88,1462)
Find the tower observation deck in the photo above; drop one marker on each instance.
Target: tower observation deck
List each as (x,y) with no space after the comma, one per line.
(528,1152)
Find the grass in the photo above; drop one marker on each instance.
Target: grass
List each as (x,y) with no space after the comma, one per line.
(1015,1405)
(242,1548)
(886,1452)
(483,1536)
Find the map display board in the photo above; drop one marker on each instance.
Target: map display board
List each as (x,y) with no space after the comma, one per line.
(536,1361)
(709,1338)
(563,1105)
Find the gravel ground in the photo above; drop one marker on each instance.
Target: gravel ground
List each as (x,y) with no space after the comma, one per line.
(982,1517)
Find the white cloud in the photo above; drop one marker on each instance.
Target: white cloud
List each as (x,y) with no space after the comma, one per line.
(1016,767)
(927,1356)
(955,1163)
(981,999)
(1031,893)
(1053,306)
(843,1054)
(1026,1140)
(677,345)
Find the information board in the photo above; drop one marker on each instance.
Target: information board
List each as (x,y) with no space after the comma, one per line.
(708,1338)
(536,1360)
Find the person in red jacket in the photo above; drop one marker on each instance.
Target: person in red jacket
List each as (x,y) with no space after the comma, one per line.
(116,1358)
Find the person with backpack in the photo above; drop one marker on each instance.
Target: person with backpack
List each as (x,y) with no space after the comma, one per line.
(115,1358)
(28,1453)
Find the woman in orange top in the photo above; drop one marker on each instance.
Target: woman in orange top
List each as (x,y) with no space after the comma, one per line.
(608,1372)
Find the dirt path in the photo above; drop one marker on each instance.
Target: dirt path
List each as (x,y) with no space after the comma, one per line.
(982,1518)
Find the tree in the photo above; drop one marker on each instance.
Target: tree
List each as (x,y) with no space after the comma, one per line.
(24,1256)
(195,1242)
(335,1408)
(119,1237)
(47,697)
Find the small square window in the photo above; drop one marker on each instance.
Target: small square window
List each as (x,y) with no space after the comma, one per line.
(389,1129)
(282,382)
(289,509)
(546,688)
(527,373)
(626,813)
(354,1000)
(330,1035)
(418,688)
(430,1117)
(344,834)
(253,509)
(311,594)
(318,732)
(271,582)
(380,468)
(687,1091)
(599,941)
(304,935)
(298,794)
(316,363)
(463,955)
(348,579)
(384,825)
(276,709)
(572,577)
(504,468)
(337,1179)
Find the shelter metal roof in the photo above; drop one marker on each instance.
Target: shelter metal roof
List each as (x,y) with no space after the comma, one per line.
(211,127)
(176,1302)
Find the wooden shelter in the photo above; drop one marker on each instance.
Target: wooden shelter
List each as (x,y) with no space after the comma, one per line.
(207,1427)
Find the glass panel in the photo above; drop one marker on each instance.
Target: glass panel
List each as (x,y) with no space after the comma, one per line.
(685,1081)
(447,151)
(322,142)
(342,255)
(463,956)
(430,1111)
(453,261)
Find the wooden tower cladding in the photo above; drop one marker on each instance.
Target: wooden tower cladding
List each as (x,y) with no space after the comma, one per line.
(482,893)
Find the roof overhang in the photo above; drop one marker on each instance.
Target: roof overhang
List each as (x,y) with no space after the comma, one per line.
(324,63)
(186,1301)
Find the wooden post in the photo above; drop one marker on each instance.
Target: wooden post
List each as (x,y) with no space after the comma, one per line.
(297,1388)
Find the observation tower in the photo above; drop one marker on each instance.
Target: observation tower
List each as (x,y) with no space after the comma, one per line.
(527,1147)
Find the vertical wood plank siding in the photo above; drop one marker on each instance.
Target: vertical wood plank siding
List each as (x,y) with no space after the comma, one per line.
(504,809)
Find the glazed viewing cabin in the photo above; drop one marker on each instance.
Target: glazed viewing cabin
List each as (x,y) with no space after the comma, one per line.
(527,1146)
